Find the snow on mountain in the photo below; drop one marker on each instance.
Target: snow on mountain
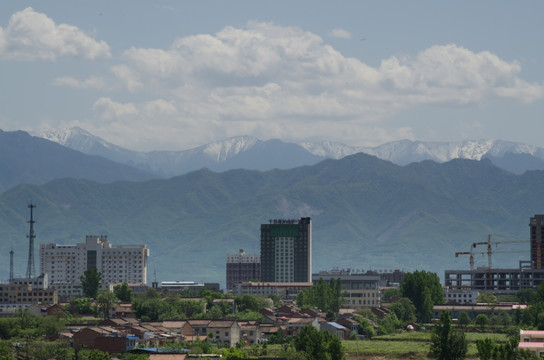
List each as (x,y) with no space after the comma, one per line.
(403,152)
(246,151)
(223,150)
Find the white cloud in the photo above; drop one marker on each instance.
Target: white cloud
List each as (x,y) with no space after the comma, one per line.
(128,78)
(274,81)
(93,82)
(340,34)
(31,35)
(111,110)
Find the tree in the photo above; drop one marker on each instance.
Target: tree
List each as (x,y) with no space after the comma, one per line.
(123,292)
(84,305)
(463,319)
(448,344)
(487,298)
(390,294)
(90,282)
(247,302)
(365,328)
(310,341)
(525,296)
(481,320)
(326,296)
(106,302)
(404,309)
(485,348)
(388,324)
(424,290)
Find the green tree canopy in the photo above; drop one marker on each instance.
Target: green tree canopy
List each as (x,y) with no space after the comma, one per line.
(463,319)
(123,292)
(404,309)
(424,290)
(106,302)
(390,294)
(481,320)
(326,296)
(448,344)
(90,282)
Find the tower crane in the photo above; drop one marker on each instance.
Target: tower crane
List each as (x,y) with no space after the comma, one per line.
(489,253)
(490,247)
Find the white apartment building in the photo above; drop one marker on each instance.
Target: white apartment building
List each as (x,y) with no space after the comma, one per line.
(117,263)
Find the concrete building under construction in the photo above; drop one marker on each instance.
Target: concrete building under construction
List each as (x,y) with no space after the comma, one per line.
(505,281)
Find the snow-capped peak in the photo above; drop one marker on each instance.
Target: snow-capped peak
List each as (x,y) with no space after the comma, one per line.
(225,149)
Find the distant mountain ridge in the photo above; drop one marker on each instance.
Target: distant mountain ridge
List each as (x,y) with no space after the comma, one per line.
(249,152)
(25,159)
(366,213)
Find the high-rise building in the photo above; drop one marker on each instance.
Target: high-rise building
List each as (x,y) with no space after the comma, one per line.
(286,250)
(536,225)
(117,263)
(241,268)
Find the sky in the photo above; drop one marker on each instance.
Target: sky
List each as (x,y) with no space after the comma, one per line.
(173,75)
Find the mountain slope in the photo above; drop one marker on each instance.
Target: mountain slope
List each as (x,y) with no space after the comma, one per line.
(251,153)
(31,160)
(366,213)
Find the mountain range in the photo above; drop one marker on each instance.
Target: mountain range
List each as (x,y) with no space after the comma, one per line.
(366,213)
(25,159)
(247,152)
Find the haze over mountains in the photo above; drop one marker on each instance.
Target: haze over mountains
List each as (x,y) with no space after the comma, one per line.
(247,152)
(25,159)
(366,212)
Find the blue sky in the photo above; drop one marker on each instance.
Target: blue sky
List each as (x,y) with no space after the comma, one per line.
(172,75)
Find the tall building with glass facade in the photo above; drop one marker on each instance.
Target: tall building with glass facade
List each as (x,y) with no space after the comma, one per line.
(286,250)
(536,225)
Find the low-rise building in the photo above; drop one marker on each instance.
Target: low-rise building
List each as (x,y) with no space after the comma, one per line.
(25,294)
(362,291)
(533,341)
(284,290)
(105,339)
(191,286)
(335,329)
(473,310)
(226,331)
(40,282)
(461,296)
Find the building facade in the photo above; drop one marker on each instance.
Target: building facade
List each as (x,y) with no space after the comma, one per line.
(117,263)
(241,268)
(25,294)
(361,290)
(286,251)
(285,291)
(536,226)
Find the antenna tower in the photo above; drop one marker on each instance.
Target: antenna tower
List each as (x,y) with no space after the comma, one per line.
(11,265)
(31,269)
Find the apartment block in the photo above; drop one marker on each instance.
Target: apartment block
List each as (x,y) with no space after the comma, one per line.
(241,268)
(286,250)
(117,263)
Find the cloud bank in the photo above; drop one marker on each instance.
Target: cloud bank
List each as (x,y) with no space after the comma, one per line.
(30,35)
(265,80)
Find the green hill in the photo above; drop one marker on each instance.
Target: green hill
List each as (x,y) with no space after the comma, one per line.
(366,213)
